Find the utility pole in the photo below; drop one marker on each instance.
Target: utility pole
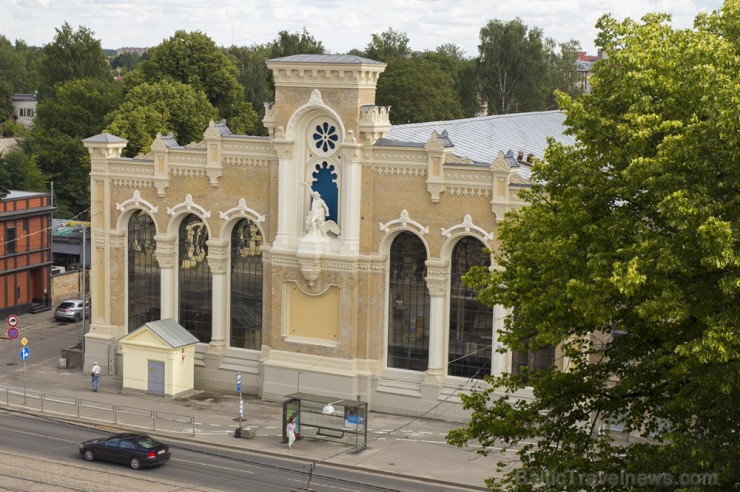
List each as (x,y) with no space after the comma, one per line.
(84,295)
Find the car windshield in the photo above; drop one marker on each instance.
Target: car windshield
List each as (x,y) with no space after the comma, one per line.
(147,442)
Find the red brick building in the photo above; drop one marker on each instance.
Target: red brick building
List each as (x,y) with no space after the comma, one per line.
(25,251)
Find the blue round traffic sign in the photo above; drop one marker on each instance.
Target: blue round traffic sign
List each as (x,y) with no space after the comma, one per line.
(13,332)
(25,352)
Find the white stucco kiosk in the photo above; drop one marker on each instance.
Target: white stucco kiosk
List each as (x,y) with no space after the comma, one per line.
(158,358)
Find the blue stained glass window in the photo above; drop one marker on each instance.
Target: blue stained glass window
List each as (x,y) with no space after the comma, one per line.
(325,182)
(325,137)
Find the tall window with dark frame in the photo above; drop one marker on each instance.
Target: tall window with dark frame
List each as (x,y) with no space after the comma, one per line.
(246,286)
(144,275)
(194,282)
(471,322)
(408,323)
(10,239)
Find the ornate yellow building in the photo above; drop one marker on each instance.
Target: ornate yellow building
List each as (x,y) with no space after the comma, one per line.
(326,258)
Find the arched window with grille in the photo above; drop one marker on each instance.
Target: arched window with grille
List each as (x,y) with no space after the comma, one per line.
(194,278)
(408,323)
(143,271)
(471,322)
(246,286)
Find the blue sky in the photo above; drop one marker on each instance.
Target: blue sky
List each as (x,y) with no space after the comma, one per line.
(341,25)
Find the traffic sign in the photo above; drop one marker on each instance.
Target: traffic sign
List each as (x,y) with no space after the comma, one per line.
(13,333)
(238,381)
(13,320)
(24,341)
(241,407)
(25,353)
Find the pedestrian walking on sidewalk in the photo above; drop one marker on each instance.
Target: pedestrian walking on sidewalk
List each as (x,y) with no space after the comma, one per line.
(95,374)
(290,430)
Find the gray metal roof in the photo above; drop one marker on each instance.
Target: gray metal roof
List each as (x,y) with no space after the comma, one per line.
(480,139)
(105,138)
(337,59)
(170,332)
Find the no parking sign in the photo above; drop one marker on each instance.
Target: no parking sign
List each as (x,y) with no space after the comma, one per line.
(13,333)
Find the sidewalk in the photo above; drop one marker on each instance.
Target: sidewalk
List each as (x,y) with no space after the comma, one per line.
(397,445)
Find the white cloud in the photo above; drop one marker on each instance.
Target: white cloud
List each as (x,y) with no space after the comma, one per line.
(340,25)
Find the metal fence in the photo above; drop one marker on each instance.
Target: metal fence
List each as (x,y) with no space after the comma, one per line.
(95,412)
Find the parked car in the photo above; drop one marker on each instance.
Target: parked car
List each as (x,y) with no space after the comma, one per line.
(136,450)
(71,310)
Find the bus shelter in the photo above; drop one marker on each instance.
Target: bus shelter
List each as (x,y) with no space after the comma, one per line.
(328,419)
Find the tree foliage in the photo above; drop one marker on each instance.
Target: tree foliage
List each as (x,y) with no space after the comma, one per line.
(451,59)
(519,69)
(72,55)
(74,112)
(18,171)
(417,89)
(387,45)
(627,258)
(194,59)
(160,107)
(288,43)
(19,66)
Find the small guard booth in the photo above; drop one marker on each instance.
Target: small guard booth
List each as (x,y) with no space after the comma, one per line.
(158,359)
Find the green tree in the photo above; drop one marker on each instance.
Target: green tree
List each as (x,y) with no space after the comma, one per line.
(627,258)
(512,67)
(126,61)
(72,55)
(19,66)
(194,59)
(287,44)
(417,90)
(74,112)
(387,45)
(18,171)
(451,59)
(160,107)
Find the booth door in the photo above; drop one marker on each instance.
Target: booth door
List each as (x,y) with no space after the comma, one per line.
(155,381)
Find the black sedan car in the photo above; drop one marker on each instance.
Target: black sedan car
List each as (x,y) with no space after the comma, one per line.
(136,450)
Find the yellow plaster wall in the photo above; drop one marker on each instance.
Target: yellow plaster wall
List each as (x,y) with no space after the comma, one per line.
(313,316)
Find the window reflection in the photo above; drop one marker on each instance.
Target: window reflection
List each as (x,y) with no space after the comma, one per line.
(143,271)
(194,279)
(246,286)
(408,324)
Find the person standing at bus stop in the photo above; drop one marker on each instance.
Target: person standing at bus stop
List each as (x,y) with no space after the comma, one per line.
(290,431)
(95,376)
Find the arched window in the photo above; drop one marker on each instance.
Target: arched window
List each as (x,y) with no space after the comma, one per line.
(143,271)
(325,182)
(471,323)
(408,323)
(194,281)
(246,285)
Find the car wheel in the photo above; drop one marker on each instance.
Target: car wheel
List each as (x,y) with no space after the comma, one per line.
(89,455)
(135,463)
(77,318)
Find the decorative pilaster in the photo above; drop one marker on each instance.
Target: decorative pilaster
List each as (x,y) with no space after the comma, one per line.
(437,282)
(218,262)
(351,195)
(166,254)
(286,191)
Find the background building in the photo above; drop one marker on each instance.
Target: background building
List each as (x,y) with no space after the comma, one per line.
(25,251)
(326,258)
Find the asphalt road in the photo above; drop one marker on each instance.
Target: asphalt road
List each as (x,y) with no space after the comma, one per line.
(41,454)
